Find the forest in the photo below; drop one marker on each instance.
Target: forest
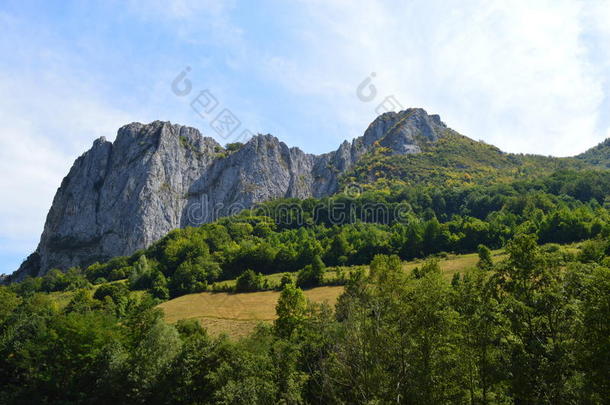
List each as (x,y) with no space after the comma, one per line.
(529,329)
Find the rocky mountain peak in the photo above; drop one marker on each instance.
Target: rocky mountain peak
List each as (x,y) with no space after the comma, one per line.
(403,131)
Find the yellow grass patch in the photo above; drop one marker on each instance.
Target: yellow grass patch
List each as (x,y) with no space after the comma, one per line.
(236,314)
(457,263)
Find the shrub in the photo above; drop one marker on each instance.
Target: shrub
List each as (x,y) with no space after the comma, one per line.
(286,279)
(311,275)
(232,147)
(100,280)
(249,281)
(485,261)
(119,274)
(116,291)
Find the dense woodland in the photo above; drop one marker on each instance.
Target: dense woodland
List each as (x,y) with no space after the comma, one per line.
(531,329)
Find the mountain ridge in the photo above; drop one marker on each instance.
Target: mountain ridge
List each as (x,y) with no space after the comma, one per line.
(122,196)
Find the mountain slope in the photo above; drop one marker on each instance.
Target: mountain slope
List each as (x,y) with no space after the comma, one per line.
(598,155)
(452,160)
(121,197)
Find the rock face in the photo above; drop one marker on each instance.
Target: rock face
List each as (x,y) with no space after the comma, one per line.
(120,197)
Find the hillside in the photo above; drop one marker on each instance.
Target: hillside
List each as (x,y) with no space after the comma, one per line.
(123,196)
(598,155)
(511,308)
(455,160)
(237,314)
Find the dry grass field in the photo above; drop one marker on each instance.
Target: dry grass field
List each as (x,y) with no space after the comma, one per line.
(238,314)
(457,263)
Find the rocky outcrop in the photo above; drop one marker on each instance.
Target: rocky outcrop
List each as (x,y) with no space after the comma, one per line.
(120,197)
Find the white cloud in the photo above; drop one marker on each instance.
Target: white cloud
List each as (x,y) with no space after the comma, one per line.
(519,75)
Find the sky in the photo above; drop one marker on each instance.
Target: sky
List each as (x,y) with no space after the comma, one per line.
(528,76)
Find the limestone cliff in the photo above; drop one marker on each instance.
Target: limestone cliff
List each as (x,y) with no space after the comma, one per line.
(122,196)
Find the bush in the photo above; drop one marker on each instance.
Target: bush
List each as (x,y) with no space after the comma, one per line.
(592,251)
(429,266)
(159,287)
(485,261)
(56,280)
(286,279)
(232,147)
(100,280)
(119,274)
(311,275)
(116,291)
(249,281)
(141,275)
(306,277)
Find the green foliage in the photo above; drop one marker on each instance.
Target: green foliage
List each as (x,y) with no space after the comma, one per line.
(485,261)
(531,329)
(191,276)
(411,220)
(8,302)
(159,287)
(594,335)
(453,160)
(141,275)
(232,147)
(82,302)
(249,281)
(286,279)
(117,292)
(312,275)
(430,266)
(291,310)
(598,155)
(56,280)
(593,251)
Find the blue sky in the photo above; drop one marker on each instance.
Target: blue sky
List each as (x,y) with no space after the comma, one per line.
(533,77)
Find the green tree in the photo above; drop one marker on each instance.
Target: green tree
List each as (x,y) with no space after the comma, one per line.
(482,343)
(594,336)
(291,310)
(539,313)
(159,288)
(151,357)
(397,341)
(140,277)
(8,302)
(312,274)
(485,261)
(339,251)
(249,281)
(286,279)
(191,276)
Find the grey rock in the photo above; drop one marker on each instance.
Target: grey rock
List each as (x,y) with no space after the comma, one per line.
(123,196)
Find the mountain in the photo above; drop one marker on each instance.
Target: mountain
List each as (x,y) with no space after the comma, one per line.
(122,196)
